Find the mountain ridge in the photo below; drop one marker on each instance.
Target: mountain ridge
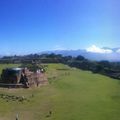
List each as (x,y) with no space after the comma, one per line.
(113,56)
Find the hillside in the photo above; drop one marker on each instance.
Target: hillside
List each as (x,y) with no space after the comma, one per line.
(71,94)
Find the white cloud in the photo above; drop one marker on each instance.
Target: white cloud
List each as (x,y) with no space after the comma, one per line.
(118,51)
(96,49)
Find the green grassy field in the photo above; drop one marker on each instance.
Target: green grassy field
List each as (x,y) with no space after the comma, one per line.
(71,94)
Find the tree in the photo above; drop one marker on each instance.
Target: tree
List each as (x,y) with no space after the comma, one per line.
(80,58)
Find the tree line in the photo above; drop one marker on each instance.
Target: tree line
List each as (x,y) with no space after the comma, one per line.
(111,69)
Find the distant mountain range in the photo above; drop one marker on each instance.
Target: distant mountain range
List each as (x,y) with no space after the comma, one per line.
(110,54)
(91,53)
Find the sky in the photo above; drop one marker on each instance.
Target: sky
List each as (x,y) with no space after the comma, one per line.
(32,26)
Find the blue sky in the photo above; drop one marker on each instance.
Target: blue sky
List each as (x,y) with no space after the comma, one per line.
(28,26)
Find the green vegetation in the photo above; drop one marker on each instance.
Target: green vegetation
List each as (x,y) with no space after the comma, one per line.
(111,69)
(2,66)
(72,94)
(33,67)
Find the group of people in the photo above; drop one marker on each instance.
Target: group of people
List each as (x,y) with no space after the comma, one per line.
(40,70)
(24,79)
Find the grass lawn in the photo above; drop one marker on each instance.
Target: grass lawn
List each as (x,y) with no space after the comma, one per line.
(2,66)
(71,94)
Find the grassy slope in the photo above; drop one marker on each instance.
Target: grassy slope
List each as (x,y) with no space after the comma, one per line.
(2,66)
(71,95)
